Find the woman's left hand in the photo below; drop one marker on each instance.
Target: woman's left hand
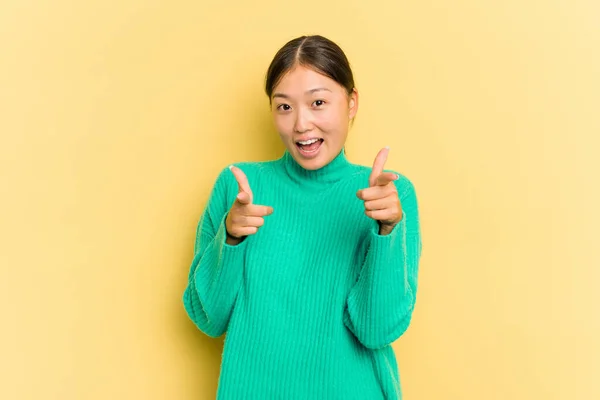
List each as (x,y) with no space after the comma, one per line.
(381,199)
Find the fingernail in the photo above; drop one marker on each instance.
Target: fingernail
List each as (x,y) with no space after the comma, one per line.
(397,176)
(387,147)
(230,167)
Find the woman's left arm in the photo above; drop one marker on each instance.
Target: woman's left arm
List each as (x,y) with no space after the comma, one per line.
(379,306)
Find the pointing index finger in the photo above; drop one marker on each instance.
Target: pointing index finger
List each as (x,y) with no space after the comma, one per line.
(242,181)
(378,165)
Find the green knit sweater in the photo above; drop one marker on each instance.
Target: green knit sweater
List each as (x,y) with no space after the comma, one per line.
(312,302)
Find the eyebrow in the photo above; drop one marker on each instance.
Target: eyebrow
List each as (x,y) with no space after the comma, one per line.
(311,91)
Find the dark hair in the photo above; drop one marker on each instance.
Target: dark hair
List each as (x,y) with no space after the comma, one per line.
(315,52)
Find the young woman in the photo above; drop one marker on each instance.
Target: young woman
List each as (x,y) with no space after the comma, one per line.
(308,262)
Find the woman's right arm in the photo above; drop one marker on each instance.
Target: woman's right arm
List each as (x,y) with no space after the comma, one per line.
(215,275)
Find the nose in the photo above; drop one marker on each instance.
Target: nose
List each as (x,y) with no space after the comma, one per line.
(302,123)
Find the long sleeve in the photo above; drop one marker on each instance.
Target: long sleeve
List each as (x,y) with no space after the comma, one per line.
(215,275)
(379,306)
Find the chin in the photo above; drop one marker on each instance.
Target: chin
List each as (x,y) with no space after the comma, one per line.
(308,161)
(313,163)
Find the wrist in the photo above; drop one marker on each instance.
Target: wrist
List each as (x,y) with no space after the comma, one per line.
(232,240)
(385,230)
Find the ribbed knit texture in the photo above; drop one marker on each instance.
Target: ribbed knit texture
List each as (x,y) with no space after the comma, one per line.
(311,303)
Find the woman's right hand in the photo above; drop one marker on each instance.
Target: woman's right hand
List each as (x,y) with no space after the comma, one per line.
(244,218)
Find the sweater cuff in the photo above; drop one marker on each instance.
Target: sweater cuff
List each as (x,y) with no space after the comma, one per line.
(397,233)
(385,267)
(381,299)
(222,269)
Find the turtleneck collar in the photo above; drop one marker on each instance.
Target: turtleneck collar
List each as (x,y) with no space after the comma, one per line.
(335,171)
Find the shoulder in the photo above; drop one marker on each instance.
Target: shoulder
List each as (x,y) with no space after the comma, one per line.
(404,185)
(252,170)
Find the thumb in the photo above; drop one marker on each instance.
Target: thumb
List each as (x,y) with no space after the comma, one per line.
(244,192)
(243,198)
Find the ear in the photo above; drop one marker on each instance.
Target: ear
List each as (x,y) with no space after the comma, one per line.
(352,103)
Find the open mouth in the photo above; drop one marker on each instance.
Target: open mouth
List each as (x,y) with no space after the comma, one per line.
(309,147)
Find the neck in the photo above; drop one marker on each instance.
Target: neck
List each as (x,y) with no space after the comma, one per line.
(333,172)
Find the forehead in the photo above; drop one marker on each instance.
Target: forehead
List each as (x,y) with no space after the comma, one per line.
(301,79)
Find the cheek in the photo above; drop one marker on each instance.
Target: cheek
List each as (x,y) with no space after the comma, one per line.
(282,125)
(331,121)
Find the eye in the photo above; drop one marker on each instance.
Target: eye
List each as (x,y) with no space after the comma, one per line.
(284,107)
(318,103)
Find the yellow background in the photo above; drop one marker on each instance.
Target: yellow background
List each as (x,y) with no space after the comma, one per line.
(116,116)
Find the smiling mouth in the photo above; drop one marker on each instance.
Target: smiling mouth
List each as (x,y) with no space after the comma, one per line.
(309,146)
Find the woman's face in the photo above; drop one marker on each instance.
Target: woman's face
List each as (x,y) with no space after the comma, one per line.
(312,114)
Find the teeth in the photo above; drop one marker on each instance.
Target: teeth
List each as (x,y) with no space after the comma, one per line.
(311,141)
